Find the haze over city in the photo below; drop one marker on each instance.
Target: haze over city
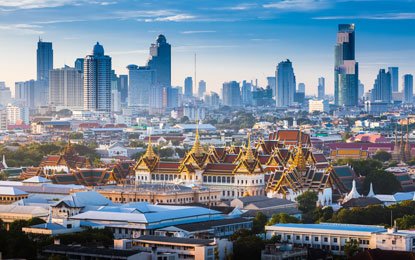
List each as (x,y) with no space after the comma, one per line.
(234,40)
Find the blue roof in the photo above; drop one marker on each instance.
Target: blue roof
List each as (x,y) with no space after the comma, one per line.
(336,226)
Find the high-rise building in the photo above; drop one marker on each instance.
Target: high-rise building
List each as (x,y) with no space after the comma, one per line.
(17,114)
(123,88)
(346,69)
(202,89)
(361,91)
(246,93)
(79,64)
(382,89)
(394,72)
(66,88)
(44,60)
(160,61)
(212,100)
(301,88)
(24,93)
(115,93)
(285,84)
(408,85)
(231,94)
(172,97)
(321,88)
(272,83)
(188,87)
(141,81)
(97,80)
(5,94)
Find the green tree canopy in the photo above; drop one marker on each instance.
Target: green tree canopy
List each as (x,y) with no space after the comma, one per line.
(383,182)
(259,223)
(382,156)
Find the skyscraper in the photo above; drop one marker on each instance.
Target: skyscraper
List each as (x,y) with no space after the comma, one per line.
(272,83)
(382,89)
(301,88)
(44,60)
(66,88)
(408,82)
(394,72)
(24,93)
(321,88)
(141,81)
(79,64)
(346,69)
(361,90)
(285,84)
(97,80)
(231,94)
(202,89)
(115,93)
(188,87)
(123,88)
(172,96)
(160,61)
(246,93)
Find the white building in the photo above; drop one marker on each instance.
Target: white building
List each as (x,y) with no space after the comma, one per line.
(319,105)
(66,88)
(16,114)
(97,81)
(333,236)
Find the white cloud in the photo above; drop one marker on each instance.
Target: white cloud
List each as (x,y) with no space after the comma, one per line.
(299,5)
(196,32)
(32,4)
(22,28)
(172,18)
(385,16)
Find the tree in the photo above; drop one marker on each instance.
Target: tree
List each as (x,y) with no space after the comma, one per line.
(406,222)
(259,222)
(383,182)
(351,248)
(362,167)
(382,156)
(246,245)
(282,218)
(307,204)
(184,120)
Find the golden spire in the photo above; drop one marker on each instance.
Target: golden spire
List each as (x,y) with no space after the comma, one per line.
(197,148)
(249,155)
(299,159)
(150,154)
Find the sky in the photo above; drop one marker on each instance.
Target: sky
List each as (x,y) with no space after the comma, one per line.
(233,39)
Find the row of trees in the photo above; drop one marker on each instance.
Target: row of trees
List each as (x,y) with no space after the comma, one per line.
(32,154)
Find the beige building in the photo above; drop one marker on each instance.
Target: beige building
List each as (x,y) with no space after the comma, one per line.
(9,195)
(165,194)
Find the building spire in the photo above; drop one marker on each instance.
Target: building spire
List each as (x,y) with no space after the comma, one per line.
(249,155)
(150,154)
(371,193)
(197,148)
(299,160)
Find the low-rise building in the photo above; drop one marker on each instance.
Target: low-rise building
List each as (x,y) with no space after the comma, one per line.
(333,237)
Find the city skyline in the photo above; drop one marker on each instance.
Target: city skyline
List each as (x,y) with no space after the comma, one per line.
(266,32)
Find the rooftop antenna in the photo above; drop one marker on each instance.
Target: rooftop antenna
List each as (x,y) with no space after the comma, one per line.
(195,75)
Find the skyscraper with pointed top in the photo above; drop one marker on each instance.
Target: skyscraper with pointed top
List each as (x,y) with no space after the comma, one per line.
(346,69)
(160,61)
(97,80)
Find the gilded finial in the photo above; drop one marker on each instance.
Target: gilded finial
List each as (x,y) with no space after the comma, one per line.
(150,154)
(249,155)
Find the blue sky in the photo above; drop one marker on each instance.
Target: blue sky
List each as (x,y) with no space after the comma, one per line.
(234,40)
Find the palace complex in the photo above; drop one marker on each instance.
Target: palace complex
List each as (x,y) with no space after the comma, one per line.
(283,165)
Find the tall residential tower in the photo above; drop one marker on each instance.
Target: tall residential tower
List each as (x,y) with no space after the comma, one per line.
(285,77)
(97,81)
(346,69)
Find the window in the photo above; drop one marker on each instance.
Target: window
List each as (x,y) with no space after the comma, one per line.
(335,240)
(297,237)
(316,239)
(326,239)
(307,238)
(393,242)
(288,237)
